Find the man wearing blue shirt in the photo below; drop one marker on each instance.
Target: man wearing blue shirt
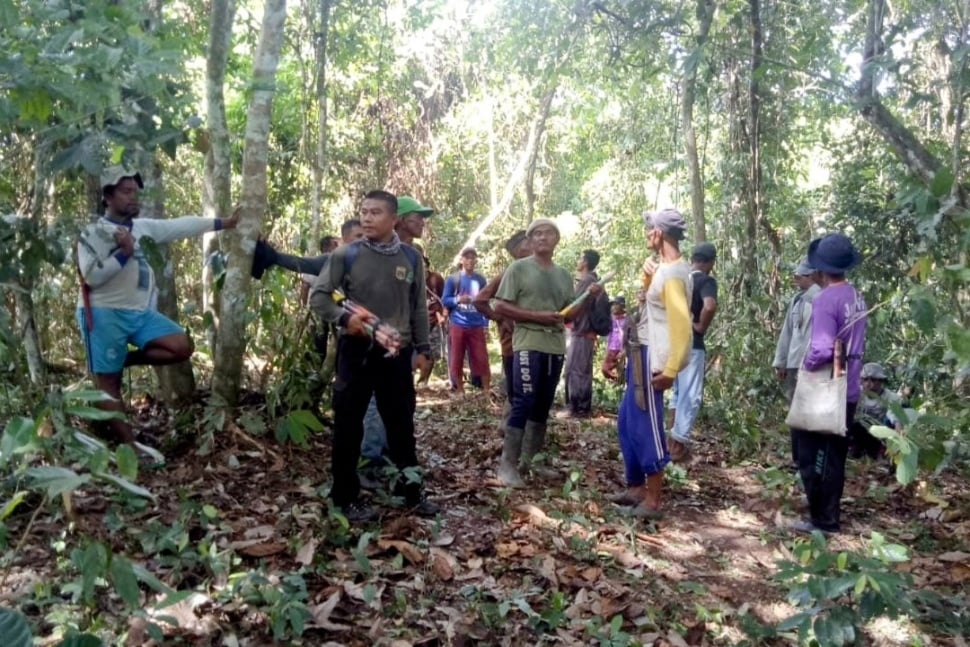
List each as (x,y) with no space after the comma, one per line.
(468,325)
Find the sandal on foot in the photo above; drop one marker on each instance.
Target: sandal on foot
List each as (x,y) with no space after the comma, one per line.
(623,498)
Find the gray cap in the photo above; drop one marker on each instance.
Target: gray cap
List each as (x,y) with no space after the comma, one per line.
(804,269)
(115,174)
(541,222)
(874,371)
(704,252)
(669,221)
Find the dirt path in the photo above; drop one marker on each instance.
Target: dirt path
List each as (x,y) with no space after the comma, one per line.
(248,529)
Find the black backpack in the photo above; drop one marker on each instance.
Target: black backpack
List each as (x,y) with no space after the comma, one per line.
(600,315)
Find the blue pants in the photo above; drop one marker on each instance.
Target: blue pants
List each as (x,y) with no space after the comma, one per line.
(687,395)
(375,435)
(642,439)
(107,341)
(535,376)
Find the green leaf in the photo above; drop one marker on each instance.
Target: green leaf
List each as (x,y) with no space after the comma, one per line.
(146,576)
(883,433)
(14,630)
(842,560)
(127,461)
(836,587)
(12,504)
(824,633)
(942,182)
(923,311)
(794,622)
(19,436)
(87,395)
(57,479)
(307,419)
(174,598)
(906,467)
(93,413)
(127,485)
(959,342)
(92,562)
(81,640)
(895,553)
(124,580)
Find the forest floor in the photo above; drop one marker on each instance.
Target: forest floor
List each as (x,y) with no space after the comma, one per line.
(246,535)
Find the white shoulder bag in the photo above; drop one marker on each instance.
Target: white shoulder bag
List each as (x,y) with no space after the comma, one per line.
(819,402)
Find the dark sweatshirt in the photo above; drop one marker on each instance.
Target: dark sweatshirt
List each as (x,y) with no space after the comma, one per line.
(389,286)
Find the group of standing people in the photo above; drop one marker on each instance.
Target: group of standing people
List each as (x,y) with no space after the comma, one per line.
(537,297)
(373,277)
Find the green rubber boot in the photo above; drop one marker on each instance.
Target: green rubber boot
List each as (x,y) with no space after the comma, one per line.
(508,471)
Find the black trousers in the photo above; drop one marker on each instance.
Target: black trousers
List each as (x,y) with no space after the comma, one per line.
(862,443)
(362,371)
(535,376)
(821,464)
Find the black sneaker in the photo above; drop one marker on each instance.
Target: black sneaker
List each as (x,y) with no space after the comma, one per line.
(807,527)
(424,507)
(358,512)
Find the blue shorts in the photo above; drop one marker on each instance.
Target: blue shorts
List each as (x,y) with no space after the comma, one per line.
(107,342)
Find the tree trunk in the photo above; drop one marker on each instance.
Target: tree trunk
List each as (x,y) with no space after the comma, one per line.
(176,382)
(759,204)
(231,343)
(705,16)
(535,145)
(23,297)
(320,163)
(492,172)
(528,156)
(27,329)
(217,188)
(914,155)
(740,148)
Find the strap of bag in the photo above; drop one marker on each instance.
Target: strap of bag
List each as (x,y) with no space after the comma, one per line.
(636,356)
(85,297)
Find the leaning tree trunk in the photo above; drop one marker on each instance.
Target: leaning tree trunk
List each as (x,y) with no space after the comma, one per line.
(217,189)
(705,16)
(231,343)
(917,158)
(520,171)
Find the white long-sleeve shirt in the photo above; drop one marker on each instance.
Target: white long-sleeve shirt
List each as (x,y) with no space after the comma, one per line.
(796,331)
(128,283)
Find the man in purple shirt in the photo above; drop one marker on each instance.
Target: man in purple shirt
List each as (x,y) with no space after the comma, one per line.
(838,313)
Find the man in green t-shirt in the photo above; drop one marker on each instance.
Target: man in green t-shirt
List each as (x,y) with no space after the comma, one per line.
(533,292)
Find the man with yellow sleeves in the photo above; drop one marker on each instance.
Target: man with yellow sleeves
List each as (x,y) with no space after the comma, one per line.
(660,351)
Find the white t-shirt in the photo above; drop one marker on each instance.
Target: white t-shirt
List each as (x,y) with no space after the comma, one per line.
(129,285)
